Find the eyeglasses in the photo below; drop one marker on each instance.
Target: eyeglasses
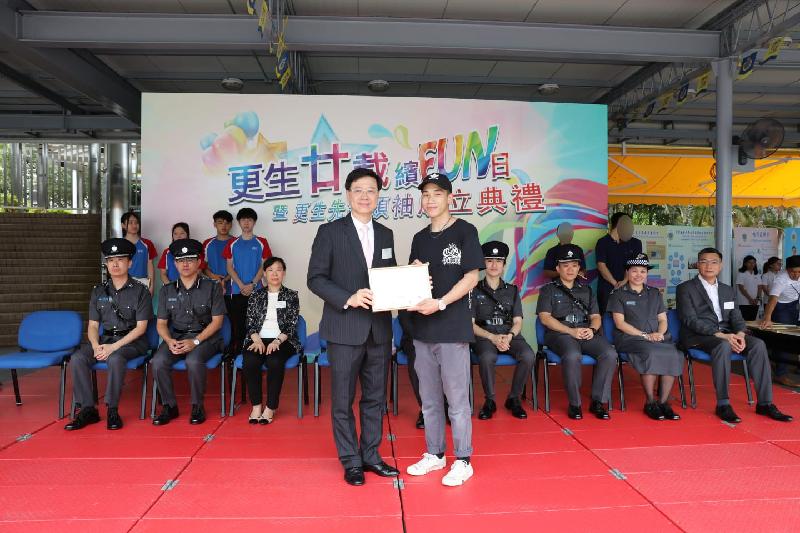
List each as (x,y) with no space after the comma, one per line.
(362,192)
(709,262)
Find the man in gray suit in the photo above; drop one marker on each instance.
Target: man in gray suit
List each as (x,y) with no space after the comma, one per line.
(359,341)
(711,321)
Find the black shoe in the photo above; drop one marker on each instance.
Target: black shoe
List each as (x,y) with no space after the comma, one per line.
(198,415)
(515,406)
(382,469)
(726,413)
(167,413)
(113,420)
(669,414)
(652,410)
(354,476)
(420,421)
(488,409)
(772,411)
(596,407)
(85,416)
(574,412)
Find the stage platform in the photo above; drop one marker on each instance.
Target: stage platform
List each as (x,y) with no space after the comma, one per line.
(546,473)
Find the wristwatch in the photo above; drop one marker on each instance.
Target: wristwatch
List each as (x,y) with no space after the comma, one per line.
(196,342)
(442,305)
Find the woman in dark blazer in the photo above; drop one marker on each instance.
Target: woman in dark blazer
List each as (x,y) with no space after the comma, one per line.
(271,339)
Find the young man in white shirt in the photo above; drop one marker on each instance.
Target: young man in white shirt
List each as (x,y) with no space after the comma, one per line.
(782,308)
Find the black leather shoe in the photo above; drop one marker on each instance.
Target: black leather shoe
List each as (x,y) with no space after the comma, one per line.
(85,416)
(167,413)
(652,410)
(113,420)
(515,406)
(382,469)
(574,412)
(488,409)
(669,414)
(727,414)
(598,410)
(772,411)
(198,415)
(420,421)
(354,476)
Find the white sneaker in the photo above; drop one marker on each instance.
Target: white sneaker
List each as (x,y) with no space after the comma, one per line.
(460,472)
(426,465)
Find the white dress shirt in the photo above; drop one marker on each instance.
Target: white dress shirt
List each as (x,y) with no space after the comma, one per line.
(786,289)
(750,282)
(270,328)
(362,230)
(713,295)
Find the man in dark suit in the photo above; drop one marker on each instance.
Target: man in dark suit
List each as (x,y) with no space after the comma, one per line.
(711,321)
(359,341)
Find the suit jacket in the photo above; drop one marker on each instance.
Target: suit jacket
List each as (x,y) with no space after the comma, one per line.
(336,270)
(697,315)
(287,316)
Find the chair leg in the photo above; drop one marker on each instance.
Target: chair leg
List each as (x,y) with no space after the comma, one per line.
(14,378)
(546,387)
(394,388)
(692,390)
(621,386)
(316,388)
(534,385)
(682,390)
(154,398)
(233,389)
(304,364)
(222,390)
(747,383)
(143,403)
(94,386)
(62,386)
(300,390)
(471,393)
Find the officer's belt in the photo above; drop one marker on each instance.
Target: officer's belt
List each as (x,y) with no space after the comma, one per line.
(496,321)
(187,331)
(116,333)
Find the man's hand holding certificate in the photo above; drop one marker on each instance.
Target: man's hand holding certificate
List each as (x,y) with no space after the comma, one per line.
(399,287)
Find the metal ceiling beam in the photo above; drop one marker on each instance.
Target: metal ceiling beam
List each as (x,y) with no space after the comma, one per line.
(77,69)
(666,134)
(353,35)
(38,89)
(46,122)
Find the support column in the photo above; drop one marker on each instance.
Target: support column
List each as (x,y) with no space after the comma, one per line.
(94,178)
(42,199)
(118,186)
(723,234)
(17,189)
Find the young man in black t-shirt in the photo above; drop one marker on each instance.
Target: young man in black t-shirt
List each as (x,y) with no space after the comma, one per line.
(442,329)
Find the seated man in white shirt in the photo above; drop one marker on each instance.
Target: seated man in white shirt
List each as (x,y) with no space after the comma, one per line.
(782,308)
(711,321)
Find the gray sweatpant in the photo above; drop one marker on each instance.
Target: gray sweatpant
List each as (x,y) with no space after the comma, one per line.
(444,370)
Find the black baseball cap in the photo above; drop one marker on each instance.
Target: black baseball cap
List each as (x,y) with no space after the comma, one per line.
(440,180)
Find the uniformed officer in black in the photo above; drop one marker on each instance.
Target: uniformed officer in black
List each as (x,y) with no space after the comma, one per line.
(123,306)
(568,310)
(190,314)
(497,322)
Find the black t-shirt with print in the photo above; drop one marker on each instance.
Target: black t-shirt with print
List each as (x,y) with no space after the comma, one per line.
(450,254)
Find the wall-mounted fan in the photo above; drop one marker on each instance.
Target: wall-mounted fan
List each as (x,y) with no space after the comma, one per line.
(759,140)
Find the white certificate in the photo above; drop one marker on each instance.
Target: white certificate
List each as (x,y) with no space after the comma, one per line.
(399,287)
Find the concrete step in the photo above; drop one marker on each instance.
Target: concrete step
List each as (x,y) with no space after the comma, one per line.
(50,239)
(7,341)
(24,296)
(77,304)
(57,286)
(24,261)
(41,270)
(61,246)
(49,217)
(52,276)
(34,228)
(69,254)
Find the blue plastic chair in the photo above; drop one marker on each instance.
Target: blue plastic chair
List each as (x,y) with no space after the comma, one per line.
(295,361)
(133,364)
(503,359)
(212,363)
(320,360)
(696,354)
(552,358)
(45,338)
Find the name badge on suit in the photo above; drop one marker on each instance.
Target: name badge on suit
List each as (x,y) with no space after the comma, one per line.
(386,253)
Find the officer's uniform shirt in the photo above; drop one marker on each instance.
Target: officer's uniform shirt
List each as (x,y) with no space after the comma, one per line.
(640,309)
(496,315)
(190,310)
(132,302)
(553,300)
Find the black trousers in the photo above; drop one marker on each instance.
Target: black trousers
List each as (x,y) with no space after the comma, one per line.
(195,368)
(487,356)
(238,316)
(571,351)
(367,363)
(407,345)
(749,312)
(276,368)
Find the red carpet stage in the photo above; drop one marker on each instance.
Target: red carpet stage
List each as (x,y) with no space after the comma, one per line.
(546,473)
